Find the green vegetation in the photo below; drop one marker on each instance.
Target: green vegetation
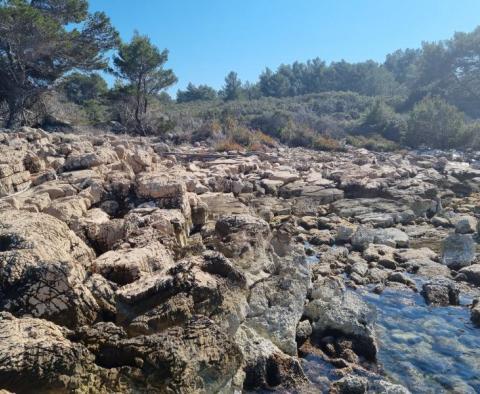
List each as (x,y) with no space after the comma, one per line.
(50,51)
(196,93)
(43,40)
(140,65)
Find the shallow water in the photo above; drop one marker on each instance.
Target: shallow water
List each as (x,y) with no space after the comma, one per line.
(427,349)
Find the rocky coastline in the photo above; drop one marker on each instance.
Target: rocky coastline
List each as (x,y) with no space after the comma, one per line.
(132,265)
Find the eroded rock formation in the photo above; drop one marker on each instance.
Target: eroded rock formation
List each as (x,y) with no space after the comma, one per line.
(127,269)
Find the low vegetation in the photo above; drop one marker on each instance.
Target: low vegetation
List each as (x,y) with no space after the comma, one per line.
(423,97)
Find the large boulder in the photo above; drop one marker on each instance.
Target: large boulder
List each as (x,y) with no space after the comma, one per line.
(195,357)
(458,251)
(26,239)
(209,284)
(55,291)
(245,239)
(341,311)
(37,357)
(42,269)
(276,304)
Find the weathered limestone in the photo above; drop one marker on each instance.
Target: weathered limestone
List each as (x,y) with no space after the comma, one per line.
(129,264)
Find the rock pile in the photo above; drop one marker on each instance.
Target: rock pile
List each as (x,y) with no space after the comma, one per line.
(130,269)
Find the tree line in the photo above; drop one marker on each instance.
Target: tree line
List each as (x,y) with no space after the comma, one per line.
(55,51)
(449,69)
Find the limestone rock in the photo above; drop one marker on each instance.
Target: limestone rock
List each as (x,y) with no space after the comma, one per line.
(441,292)
(471,274)
(458,250)
(276,304)
(125,266)
(348,314)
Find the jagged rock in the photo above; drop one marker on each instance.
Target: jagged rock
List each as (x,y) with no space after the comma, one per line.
(54,291)
(389,236)
(304,330)
(197,357)
(88,160)
(350,385)
(265,366)
(103,291)
(399,277)
(382,254)
(125,266)
(41,269)
(374,211)
(152,185)
(345,233)
(69,209)
(36,356)
(144,225)
(202,284)
(245,239)
(98,230)
(29,238)
(353,384)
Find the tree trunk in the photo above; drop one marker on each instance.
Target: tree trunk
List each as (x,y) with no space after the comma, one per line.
(12,113)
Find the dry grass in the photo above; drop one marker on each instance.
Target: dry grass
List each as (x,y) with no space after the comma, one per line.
(228,145)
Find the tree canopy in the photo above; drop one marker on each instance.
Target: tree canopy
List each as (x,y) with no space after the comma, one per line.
(140,64)
(42,40)
(79,87)
(232,89)
(195,93)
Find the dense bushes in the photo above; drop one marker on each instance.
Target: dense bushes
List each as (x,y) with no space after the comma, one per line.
(372,142)
(381,119)
(435,123)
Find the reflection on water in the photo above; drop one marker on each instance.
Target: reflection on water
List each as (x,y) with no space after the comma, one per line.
(427,349)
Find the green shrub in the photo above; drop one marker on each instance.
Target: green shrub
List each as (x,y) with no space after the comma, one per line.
(381,119)
(326,143)
(434,123)
(372,142)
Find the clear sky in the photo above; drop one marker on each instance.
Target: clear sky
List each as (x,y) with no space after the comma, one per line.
(209,38)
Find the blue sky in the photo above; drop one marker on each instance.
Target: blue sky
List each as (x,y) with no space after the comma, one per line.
(209,38)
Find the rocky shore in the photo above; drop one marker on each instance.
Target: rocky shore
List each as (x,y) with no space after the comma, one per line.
(130,265)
